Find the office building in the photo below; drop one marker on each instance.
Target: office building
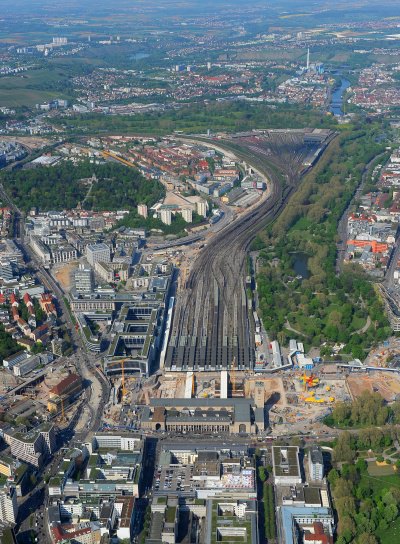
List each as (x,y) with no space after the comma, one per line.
(80,533)
(24,367)
(33,447)
(124,442)
(136,338)
(84,280)
(286,465)
(8,504)
(305,522)
(22,363)
(242,525)
(98,253)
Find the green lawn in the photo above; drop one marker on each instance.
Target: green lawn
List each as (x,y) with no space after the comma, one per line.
(382,482)
(358,323)
(32,87)
(392,534)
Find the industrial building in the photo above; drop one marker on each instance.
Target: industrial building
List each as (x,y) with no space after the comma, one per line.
(22,363)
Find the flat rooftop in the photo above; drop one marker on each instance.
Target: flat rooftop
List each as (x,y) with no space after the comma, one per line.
(286,461)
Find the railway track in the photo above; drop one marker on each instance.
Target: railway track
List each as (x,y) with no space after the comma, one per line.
(213,324)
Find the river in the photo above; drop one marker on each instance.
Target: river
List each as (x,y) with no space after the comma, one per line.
(337,98)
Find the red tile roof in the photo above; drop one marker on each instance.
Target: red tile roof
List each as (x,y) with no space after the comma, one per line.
(64,384)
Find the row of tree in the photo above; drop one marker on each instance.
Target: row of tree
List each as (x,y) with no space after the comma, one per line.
(367,410)
(269,511)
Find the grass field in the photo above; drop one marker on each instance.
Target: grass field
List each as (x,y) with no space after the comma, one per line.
(29,88)
(382,477)
(43,83)
(392,534)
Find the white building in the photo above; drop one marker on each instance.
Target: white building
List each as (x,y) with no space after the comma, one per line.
(166,217)
(116,441)
(24,367)
(34,446)
(98,253)
(202,208)
(8,504)
(316,464)
(142,210)
(84,281)
(187,215)
(286,465)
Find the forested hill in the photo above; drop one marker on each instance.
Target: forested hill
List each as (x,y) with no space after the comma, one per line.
(65,185)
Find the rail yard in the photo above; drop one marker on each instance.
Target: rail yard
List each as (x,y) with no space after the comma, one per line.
(212,327)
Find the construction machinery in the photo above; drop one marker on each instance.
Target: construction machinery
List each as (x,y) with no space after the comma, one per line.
(309,381)
(317,400)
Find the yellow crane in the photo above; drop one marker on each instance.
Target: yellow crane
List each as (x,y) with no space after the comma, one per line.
(124,391)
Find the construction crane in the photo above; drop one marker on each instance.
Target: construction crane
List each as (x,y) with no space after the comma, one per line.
(233,376)
(124,391)
(193,385)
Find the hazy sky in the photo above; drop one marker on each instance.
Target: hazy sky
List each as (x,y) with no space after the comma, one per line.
(182,7)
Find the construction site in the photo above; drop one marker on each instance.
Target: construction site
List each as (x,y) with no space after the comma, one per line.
(387,385)
(53,392)
(293,399)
